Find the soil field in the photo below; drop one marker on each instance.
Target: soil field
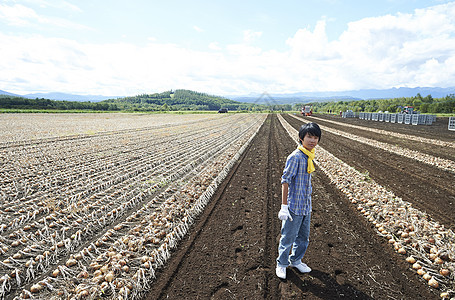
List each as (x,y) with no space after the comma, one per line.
(428,188)
(230,252)
(134,206)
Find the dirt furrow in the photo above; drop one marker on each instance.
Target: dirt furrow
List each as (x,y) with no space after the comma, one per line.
(230,252)
(427,148)
(427,188)
(437,130)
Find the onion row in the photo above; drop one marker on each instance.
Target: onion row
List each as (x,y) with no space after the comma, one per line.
(412,233)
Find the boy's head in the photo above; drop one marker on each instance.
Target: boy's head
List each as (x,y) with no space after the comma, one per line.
(312,129)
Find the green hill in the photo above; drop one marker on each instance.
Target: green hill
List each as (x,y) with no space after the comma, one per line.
(178,100)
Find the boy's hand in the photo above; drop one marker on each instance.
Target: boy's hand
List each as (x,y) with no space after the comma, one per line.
(284,214)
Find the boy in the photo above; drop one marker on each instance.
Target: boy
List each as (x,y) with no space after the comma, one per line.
(296,207)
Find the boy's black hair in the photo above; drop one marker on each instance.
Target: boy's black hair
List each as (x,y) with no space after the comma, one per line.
(310,128)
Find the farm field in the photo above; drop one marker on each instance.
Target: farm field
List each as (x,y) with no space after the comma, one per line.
(25,126)
(95,214)
(185,207)
(231,254)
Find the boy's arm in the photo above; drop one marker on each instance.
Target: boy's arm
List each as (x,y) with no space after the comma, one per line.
(284,214)
(284,193)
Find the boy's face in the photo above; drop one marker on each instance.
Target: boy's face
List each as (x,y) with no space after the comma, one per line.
(309,141)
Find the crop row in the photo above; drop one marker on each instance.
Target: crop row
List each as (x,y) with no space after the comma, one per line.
(444,164)
(396,134)
(132,193)
(29,128)
(428,245)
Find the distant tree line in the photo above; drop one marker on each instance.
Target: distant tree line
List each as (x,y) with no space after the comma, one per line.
(186,100)
(179,100)
(12,102)
(426,104)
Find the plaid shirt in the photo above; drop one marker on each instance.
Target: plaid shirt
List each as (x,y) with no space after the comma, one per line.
(296,175)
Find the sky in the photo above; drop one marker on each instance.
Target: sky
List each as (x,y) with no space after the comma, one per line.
(226,48)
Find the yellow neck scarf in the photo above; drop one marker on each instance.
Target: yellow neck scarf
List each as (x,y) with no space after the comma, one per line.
(310,155)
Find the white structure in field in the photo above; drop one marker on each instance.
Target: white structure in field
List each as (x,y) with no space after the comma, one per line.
(452,123)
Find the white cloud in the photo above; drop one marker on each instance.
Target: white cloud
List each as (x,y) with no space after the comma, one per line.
(388,51)
(20,15)
(250,35)
(53,3)
(198,29)
(17,15)
(214,46)
(311,45)
(393,50)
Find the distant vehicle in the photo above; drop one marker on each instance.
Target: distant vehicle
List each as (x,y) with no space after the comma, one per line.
(222,110)
(407,110)
(306,110)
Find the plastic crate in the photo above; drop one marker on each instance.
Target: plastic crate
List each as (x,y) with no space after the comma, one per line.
(452,123)
(418,119)
(393,118)
(408,119)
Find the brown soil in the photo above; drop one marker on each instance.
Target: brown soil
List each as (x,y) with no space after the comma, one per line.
(231,250)
(428,188)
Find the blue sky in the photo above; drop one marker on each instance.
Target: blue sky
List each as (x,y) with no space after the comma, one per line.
(224,47)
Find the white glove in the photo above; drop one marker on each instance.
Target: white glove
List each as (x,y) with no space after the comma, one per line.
(284,214)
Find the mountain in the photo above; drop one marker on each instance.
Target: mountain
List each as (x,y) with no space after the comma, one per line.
(365,94)
(291,98)
(8,94)
(271,99)
(69,97)
(62,96)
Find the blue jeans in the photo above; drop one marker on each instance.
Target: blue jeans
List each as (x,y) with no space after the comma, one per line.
(295,234)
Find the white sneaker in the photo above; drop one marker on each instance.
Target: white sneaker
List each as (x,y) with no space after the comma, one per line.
(303,268)
(281,272)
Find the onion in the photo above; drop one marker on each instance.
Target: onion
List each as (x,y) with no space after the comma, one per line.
(104,269)
(83,294)
(420,271)
(410,259)
(71,262)
(124,291)
(438,261)
(36,288)
(401,250)
(83,274)
(109,277)
(56,272)
(433,283)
